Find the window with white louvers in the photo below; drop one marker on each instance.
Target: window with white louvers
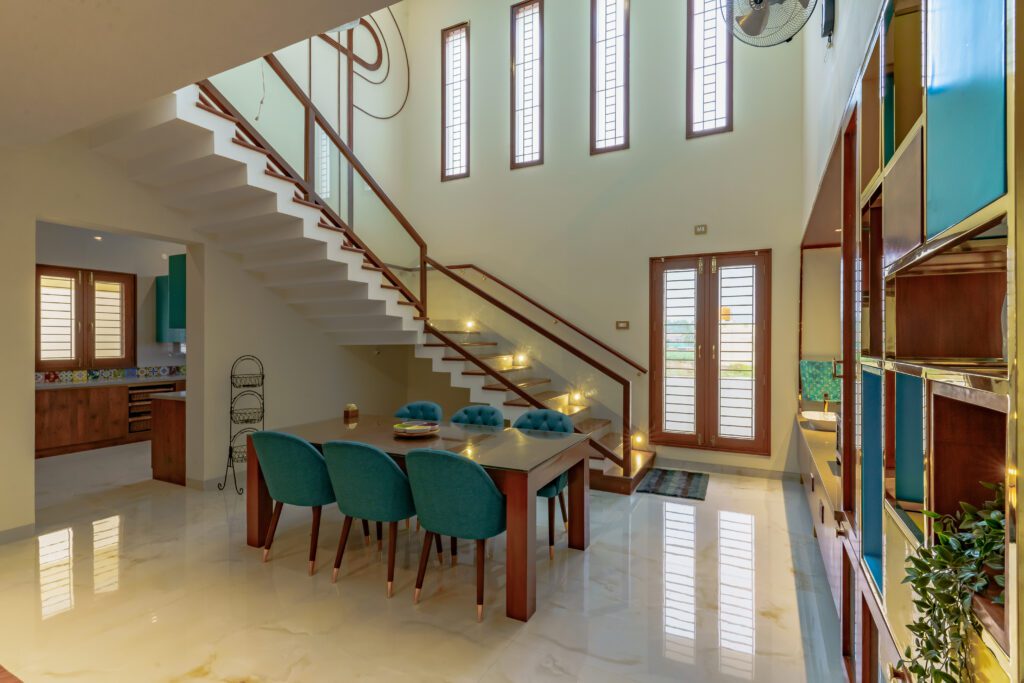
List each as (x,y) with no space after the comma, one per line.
(455,102)
(527,83)
(609,75)
(710,352)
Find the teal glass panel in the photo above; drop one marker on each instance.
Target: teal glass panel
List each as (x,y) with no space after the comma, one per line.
(871,476)
(909,414)
(164,332)
(176,280)
(817,381)
(966,94)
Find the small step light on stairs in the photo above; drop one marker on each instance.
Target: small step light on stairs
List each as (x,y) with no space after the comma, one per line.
(470,325)
(520,359)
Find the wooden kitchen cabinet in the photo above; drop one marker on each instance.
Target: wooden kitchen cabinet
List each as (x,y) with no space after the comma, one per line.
(68,418)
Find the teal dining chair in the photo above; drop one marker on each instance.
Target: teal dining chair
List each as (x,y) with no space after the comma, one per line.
(484,416)
(368,485)
(420,410)
(550,421)
(454,496)
(296,474)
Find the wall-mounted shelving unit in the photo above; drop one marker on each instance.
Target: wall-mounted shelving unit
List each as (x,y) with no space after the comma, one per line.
(930,265)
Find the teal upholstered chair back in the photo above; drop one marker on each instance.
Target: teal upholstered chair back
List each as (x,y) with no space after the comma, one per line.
(420,410)
(486,416)
(545,420)
(294,469)
(454,495)
(367,482)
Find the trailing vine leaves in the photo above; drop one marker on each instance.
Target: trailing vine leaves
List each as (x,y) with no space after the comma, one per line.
(966,557)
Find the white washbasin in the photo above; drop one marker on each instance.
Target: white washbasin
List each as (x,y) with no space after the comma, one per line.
(820,420)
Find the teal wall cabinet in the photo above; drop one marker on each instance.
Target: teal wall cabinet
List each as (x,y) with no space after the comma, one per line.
(176,286)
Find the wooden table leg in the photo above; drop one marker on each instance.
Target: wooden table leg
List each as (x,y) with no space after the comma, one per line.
(521,538)
(579,504)
(258,506)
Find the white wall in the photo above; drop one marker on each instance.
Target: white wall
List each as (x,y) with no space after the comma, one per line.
(61,245)
(822,333)
(577,232)
(229,314)
(829,73)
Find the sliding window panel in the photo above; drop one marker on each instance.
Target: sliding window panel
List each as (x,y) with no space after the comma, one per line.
(738,377)
(677,405)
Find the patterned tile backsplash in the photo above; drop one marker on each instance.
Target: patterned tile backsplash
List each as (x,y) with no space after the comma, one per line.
(86,376)
(816,380)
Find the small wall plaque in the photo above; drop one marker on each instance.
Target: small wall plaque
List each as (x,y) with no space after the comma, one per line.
(622,324)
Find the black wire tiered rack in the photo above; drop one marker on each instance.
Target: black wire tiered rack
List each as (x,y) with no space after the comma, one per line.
(247,413)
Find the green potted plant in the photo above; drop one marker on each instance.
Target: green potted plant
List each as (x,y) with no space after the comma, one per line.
(965,559)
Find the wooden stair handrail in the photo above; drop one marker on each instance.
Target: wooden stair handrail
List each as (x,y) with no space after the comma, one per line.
(557,317)
(626,460)
(511,386)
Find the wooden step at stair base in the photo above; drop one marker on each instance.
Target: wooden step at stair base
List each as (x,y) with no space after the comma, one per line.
(485,356)
(592,424)
(478,372)
(543,397)
(521,383)
(480,343)
(605,475)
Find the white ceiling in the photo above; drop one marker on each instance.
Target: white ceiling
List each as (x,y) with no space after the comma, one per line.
(67,64)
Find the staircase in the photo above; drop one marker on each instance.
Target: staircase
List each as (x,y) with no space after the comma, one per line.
(203,159)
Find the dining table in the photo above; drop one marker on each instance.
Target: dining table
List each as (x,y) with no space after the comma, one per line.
(519,462)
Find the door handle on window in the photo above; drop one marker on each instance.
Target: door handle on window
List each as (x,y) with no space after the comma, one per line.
(700,351)
(714,351)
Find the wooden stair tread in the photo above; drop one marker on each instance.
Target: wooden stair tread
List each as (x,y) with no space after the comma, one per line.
(478,343)
(354,250)
(487,356)
(543,397)
(605,475)
(477,371)
(592,424)
(522,383)
(457,331)
(573,410)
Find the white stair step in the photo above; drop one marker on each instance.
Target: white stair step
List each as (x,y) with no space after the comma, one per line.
(375,337)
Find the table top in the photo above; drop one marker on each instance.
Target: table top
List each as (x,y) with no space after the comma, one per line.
(493,447)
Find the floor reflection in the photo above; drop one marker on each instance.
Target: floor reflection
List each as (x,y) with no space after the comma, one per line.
(680,536)
(56,573)
(106,554)
(736,618)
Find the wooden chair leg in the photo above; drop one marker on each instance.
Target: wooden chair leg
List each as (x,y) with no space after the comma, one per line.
(346,527)
(565,513)
(278,506)
(392,546)
(480,580)
(440,549)
(551,528)
(417,525)
(366,531)
(314,536)
(455,551)
(380,538)
(427,540)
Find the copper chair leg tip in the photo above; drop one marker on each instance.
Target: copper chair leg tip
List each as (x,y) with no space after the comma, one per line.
(312,567)
(416,596)
(367,540)
(391,588)
(455,560)
(334,575)
(266,554)
(440,559)
(551,552)
(479,613)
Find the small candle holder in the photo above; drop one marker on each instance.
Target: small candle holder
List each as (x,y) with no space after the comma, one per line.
(351,413)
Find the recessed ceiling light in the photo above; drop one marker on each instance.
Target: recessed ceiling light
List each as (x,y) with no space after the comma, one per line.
(98,238)
(163,256)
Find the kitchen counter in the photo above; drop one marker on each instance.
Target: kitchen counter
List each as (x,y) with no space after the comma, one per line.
(169,396)
(822,447)
(129,381)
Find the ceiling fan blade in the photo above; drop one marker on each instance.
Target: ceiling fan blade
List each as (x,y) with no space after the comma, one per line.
(753,24)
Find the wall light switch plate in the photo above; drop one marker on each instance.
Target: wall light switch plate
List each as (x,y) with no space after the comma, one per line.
(701,229)
(622,324)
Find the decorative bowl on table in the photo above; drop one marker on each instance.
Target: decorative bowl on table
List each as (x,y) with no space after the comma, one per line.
(413,429)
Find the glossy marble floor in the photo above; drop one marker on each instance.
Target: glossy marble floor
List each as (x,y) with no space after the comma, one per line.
(134,580)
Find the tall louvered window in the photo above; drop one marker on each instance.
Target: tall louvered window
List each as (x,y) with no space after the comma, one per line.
(609,75)
(527,97)
(710,353)
(84,319)
(709,70)
(455,102)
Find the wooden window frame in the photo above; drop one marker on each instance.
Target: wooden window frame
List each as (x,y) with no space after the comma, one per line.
(728,128)
(706,398)
(594,149)
(444,101)
(513,164)
(85,334)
